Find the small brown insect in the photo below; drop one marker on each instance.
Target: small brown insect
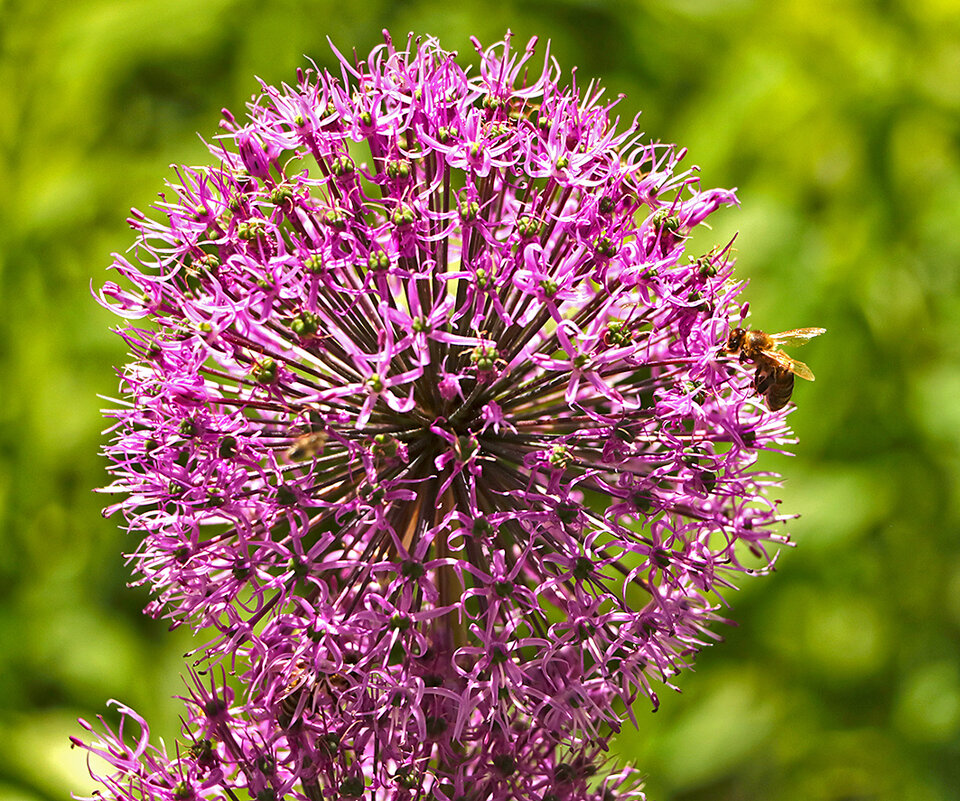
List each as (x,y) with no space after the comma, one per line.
(307,446)
(335,684)
(305,689)
(296,696)
(775,370)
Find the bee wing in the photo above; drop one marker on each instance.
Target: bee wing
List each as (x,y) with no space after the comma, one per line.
(797,336)
(796,367)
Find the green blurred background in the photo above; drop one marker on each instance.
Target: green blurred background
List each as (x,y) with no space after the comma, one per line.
(840,124)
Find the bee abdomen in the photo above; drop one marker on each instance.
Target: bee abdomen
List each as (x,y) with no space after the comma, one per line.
(779,390)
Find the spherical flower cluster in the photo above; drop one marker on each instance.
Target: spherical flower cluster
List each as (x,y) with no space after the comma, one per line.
(431,424)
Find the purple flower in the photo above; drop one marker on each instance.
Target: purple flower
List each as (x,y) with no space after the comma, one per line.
(431,423)
(225,754)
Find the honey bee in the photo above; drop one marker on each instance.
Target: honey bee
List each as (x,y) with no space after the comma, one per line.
(335,684)
(305,689)
(775,370)
(307,446)
(296,696)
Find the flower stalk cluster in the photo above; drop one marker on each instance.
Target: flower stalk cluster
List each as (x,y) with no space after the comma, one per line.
(430,429)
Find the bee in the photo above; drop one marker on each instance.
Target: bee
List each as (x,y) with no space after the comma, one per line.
(775,370)
(335,684)
(307,446)
(296,696)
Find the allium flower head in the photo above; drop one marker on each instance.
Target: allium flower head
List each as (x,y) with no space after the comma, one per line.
(430,422)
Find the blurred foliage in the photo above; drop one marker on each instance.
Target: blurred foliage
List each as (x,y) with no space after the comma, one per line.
(840,124)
